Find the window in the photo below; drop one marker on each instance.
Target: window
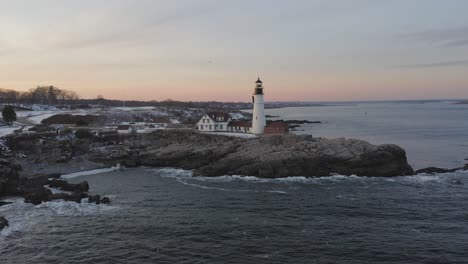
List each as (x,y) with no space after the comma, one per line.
(220,126)
(211,127)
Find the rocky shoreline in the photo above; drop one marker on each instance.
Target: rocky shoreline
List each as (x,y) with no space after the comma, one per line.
(44,157)
(38,189)
(274,156)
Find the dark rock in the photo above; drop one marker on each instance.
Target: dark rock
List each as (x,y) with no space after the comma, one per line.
(105,200)
(4,203)
(9,178)
(61,196)
(289,155)
(77,197)
(94,199)
(65,186)
(38,195)
(434,170)
(73,197)
(3,223)
(53,175)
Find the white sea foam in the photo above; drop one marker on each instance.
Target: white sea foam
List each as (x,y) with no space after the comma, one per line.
(89,172)
(419,179)
(23,216)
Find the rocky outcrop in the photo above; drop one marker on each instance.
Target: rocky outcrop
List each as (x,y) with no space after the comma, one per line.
(269,156)
(34,189)
(70,187)
(9,178)
(3,223)
(434,170)
(282,156)
(37,195)
(214,155)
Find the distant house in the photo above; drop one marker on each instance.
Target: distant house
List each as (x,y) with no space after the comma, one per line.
(214,122)
(125,129)
(277,127)
(240,126)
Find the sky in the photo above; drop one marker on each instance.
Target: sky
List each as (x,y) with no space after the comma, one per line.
(200,50)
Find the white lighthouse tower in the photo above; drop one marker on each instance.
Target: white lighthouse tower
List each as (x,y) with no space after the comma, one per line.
(258,118)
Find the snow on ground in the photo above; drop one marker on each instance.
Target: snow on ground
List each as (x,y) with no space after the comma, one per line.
(230,134)
(7,130)
(237,116)
(38,118)
(134,108)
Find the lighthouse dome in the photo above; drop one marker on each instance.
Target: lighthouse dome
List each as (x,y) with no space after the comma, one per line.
(258,81)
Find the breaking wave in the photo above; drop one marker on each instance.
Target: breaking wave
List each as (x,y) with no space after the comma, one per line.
(23,216)
(419,178)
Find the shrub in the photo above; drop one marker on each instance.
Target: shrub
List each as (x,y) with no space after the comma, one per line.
(83,133)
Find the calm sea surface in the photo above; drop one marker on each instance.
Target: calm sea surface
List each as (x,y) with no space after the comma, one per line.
(432,133)
(167,216)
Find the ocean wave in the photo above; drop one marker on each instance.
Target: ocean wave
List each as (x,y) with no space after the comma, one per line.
(419,178)
(23,216)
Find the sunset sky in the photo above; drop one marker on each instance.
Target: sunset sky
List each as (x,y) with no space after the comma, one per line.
(304,50)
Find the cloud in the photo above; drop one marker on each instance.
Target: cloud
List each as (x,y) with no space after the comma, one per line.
(445,37)
(125,26)
(435,64)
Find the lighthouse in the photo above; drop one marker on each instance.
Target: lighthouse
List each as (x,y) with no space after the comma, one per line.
(258,118)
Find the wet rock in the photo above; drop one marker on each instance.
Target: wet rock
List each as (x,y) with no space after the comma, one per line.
(9,178)
(38,195)
(65,186)
(77,197)
(73,197)
(51,175)
(94,199)
(61,196)
(105,200)
(3,223)
(434,170)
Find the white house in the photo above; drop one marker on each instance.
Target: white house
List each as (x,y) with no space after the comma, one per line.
(125,129)
(214,122)
(240,126)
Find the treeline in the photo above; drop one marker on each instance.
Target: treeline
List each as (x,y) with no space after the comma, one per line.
(170,104)
(46,95)
(51,95)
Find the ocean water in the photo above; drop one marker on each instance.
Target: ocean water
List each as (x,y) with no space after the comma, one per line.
(432,133)
(168,216)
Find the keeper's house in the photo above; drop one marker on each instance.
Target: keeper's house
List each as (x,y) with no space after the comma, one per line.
(214,122)
(239,126)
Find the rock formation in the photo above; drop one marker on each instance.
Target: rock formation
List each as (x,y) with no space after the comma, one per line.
(269,156)
(215,155)
(3,223)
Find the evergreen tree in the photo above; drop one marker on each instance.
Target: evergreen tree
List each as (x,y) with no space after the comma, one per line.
(9,114)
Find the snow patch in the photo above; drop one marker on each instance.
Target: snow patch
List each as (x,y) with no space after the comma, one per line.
(89,172)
